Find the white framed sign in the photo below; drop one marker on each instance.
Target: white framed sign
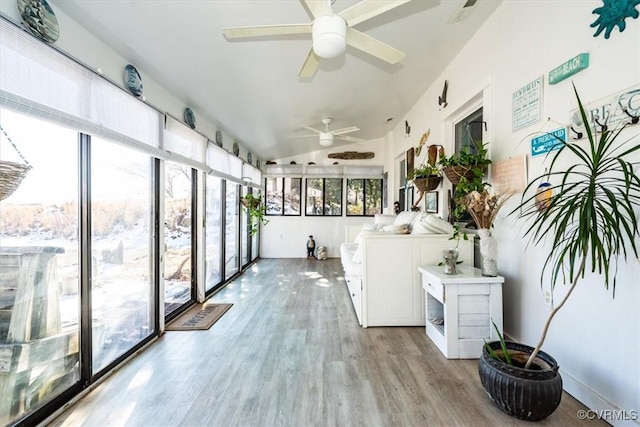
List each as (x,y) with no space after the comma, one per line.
(527,104)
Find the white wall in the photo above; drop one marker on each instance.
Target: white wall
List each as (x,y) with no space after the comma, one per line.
(595,338)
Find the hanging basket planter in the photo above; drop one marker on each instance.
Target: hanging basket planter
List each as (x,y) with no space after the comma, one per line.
(427,184)
(250,203)
(455,173)
(12,173)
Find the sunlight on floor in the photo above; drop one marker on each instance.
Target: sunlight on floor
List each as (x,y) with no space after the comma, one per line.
(140,379)
(313,275)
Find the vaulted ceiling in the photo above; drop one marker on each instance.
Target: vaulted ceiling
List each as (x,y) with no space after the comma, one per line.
(251,89)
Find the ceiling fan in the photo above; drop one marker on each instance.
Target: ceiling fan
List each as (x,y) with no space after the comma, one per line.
(327,136)
(330,32)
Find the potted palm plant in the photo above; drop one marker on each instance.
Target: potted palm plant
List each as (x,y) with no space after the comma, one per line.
(257,212)
(590,218)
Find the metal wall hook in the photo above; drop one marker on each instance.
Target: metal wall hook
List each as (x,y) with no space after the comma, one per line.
(634,119)
(479,121)
(602,126)
(578,134)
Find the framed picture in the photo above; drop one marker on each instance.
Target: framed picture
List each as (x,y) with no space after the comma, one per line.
(410,157)
(431,202)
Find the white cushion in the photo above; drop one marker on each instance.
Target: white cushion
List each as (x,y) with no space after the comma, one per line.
(384,219)
(390,228)
(370,226)
(357,256)
(405,217)
(436,225)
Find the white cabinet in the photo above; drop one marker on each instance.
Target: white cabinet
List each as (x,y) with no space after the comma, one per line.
(459,309)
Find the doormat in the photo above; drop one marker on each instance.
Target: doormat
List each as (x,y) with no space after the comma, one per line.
(198,318)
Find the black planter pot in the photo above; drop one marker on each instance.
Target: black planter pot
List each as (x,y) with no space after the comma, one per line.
(527,394)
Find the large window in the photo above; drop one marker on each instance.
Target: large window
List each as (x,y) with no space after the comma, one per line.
(283,196)
(364,197)
(177,236)
(324,197)
(121,285)
(39,268)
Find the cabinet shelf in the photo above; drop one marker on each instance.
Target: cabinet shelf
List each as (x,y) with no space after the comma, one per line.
(467,302)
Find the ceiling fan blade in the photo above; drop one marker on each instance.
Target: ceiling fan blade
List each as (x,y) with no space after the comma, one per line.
(301,136)
(310,65)
(345,130)
(365,10)
(318,7)
(374,47)
(311,129)
(350,138)
(266,30)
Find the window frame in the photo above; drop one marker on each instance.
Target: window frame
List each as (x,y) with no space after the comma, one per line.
(364,196)
(284,181)
(324,197)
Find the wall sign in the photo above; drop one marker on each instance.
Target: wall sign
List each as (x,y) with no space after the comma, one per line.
(548,142)
(509,176)
(527,104)
(613,110)
(569,68)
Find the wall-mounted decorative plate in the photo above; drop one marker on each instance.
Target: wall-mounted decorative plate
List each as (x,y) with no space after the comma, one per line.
(190,118)
(219,138)
(132,80)
(236,149)
(249,158)
(38,16)
(258,163)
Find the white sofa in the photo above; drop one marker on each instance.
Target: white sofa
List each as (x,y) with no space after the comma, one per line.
(381,270)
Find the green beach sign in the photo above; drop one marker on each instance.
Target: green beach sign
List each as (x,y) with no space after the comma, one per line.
(569,68)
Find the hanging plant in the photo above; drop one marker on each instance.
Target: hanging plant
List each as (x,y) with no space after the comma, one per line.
(257,212)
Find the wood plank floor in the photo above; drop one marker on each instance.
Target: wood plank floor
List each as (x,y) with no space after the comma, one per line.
(290,353)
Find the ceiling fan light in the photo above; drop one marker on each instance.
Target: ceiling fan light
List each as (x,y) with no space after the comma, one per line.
(326,139)
(329,36)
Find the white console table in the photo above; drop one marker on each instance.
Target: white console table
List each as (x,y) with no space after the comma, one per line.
(459,309)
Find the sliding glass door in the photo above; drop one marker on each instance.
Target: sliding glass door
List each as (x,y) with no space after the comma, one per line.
(213,233)
(121,261)
(39,266)
(178,241)
(232,224)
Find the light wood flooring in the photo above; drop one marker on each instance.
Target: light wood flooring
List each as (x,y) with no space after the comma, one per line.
(290,353)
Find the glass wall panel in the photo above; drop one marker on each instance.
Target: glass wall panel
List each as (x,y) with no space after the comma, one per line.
(122,285)
(244,232)
(373,196)
(324,196)
(177,236)
(292,196)
(315,196)
(213,233)
(39,267)
(232,224)
(255,242)
(333,196)
(355,197)
(364,197)
(274,191)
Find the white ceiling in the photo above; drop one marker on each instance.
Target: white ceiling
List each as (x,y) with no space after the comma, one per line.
(251,89)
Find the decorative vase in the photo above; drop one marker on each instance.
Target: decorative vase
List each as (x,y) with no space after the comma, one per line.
(528,394)
(450,257)
(488,253)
